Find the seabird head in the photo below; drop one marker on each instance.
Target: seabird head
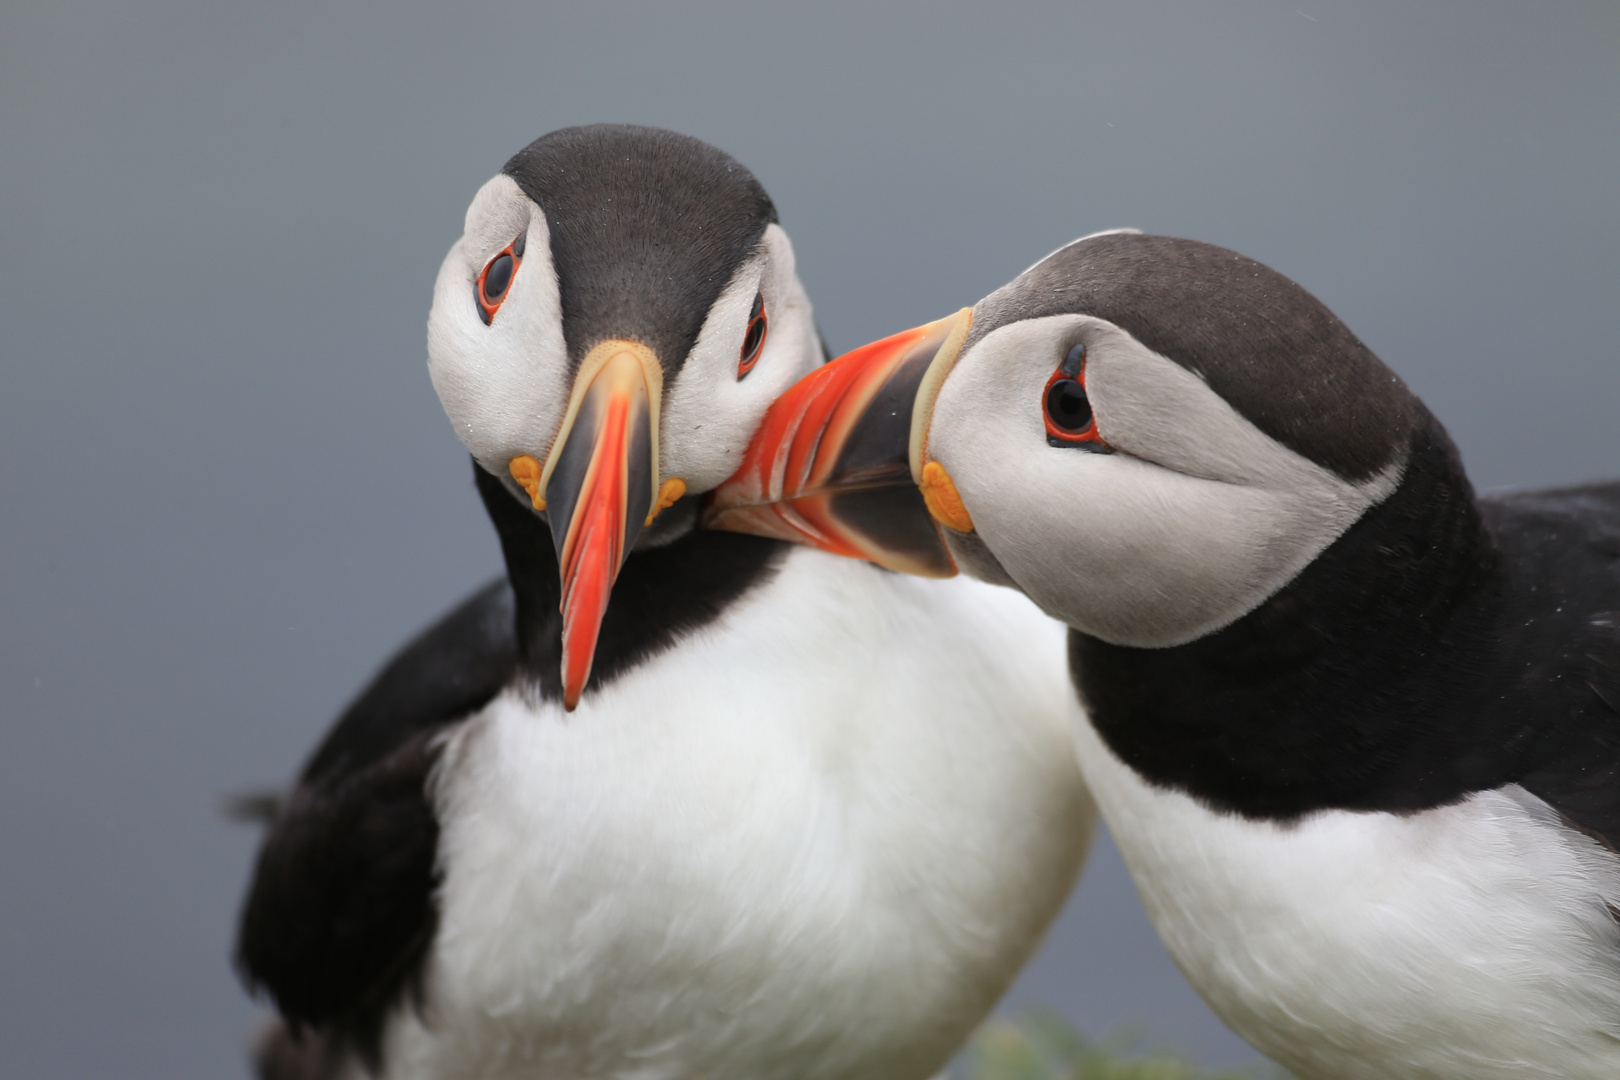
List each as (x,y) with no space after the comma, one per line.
(1148,436)
(618,315)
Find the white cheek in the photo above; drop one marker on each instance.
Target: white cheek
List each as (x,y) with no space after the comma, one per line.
(1100,541)
(709,414)
(1132,553)
(1139,552)
(504,386)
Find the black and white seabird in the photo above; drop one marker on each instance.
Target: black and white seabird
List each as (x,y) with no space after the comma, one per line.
(1356,732)
(767,815)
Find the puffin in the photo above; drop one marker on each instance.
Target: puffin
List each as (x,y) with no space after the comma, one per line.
(1355,729)
(659,802)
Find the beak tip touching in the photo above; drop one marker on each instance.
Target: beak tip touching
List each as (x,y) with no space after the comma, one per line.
(831,466)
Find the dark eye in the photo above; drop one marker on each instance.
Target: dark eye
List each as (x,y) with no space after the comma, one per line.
(754,339)
(496,278)
(1067,406)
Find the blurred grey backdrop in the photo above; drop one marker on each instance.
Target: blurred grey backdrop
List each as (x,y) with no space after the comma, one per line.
(226,488)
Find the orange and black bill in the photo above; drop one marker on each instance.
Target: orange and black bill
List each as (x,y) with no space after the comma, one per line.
(837,462)
(598,490)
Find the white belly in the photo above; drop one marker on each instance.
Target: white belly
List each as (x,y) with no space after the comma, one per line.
(1470,942)
(815,839)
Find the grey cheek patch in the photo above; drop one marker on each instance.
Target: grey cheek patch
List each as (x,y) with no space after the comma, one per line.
(975,559)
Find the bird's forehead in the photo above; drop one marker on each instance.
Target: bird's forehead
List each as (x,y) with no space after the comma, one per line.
(645,228)
(497,213)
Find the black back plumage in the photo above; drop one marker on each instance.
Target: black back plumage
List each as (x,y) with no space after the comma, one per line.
(647,227)
(341,909)
(1562,630)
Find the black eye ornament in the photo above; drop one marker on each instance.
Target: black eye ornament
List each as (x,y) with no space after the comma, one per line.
(1066,406)
(496,278)
(754,339)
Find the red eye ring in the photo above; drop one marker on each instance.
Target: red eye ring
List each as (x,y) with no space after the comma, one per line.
(1066,407)
(494,282)
(753,338)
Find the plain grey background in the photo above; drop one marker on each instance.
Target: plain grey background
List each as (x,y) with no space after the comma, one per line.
(226,488)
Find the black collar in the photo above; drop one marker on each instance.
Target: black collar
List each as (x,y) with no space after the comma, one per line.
(662,593)
(1430,652)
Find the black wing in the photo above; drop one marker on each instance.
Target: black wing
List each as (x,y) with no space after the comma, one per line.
(342,906)
(1563,551)
(309,1055)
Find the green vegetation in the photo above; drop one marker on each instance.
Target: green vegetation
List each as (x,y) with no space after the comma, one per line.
(1042,1047)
